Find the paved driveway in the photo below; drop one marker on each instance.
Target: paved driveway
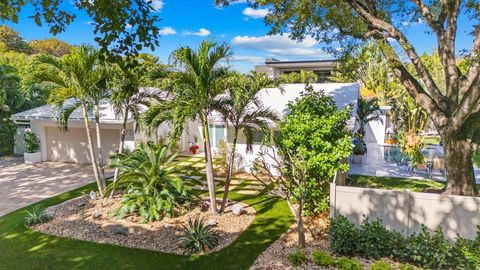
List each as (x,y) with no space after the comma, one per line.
(22,184)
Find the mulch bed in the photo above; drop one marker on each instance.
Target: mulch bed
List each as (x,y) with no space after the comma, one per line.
(86,219)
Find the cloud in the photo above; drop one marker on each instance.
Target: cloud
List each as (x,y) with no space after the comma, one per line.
(255,13)
(202,32)
(157,5)
(281,45)
(167,31)
(255,60)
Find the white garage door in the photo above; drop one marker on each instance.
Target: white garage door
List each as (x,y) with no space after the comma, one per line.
(72,146)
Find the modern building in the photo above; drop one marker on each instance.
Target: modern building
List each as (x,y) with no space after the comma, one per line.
(322,68)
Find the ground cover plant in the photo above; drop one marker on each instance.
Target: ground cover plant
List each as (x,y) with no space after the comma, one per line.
(198,236)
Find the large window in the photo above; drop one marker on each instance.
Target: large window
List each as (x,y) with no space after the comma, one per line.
(217,133)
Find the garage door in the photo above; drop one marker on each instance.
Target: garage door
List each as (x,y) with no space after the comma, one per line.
(72,146)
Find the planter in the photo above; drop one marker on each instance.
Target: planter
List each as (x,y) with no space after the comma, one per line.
(358,159)
(194,149)
(32,158)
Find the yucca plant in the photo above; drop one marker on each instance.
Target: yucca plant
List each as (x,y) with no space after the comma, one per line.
(197,236)
(36,216)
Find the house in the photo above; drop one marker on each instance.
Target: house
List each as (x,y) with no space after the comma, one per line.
(71,146)
(322,68)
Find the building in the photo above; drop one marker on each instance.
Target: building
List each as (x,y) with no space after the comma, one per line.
(322,68)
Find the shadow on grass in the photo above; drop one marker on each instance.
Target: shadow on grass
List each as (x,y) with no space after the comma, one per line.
(23,248)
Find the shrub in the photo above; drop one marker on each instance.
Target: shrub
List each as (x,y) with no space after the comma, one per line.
(375,241)
(343,236)
(345,263)
(405,266)
(430,249)
(322,258)
(197,236)
(36,216)
(381,265)
(7,133)
(467,252)
(297,257)
(153,187)
(31,142)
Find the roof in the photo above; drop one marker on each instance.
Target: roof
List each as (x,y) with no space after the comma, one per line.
(50,112)
(327,63)
(343,94)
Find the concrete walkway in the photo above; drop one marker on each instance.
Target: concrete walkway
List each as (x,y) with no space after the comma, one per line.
(22,184)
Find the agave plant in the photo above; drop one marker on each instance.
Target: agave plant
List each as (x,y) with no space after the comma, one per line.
(153,187)
(36,216)
(197,236)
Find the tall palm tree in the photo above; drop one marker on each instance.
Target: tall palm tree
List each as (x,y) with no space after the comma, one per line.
(74,78)
(192,91)
(242,109)
(126,79)
(368,111)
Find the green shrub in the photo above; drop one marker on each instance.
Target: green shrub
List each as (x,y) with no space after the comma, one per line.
(345,263)
(197,236)
(375,241)
(7,133)
(381,265)
(343,236)
(297,257)
(322,258)
(36,216)
(153,188)
(430,249)
(31,142)
(405,266)
(467,252)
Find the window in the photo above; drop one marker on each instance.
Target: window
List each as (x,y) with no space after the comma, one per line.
(217,133)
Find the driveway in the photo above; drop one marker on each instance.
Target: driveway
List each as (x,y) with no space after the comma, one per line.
(22,184)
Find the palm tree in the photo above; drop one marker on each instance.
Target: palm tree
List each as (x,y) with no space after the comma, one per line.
(127,97)
(192,91)
(368,111)
(242,109)
(74,78)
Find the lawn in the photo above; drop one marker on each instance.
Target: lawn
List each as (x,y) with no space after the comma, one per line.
(393,183)
(23,248)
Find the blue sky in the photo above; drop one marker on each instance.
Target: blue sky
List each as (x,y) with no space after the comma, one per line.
(187,23)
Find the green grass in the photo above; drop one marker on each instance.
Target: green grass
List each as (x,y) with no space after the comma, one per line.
(394,183)
(431,140)
(22,248)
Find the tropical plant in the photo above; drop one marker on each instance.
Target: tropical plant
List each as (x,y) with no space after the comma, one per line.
(31,142)
(198,236)
(242,109)
(359,148)
(367,111)
(192,91)
(74,79)
(37,215)
(299,77)
(152,186)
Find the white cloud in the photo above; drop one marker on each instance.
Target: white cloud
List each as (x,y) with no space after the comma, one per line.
(281,45)
(202,32)
(157,5)
(255,13)
(167,31)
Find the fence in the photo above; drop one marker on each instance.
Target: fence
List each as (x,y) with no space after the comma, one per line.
(406,211)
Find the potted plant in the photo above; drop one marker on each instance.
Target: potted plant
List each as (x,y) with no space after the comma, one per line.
(32,153)
(194,149)
(359,150)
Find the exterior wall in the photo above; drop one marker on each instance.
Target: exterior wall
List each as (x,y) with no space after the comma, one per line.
(19,137)
(405,211)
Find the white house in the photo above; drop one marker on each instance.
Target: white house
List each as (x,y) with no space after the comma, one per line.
(71,146)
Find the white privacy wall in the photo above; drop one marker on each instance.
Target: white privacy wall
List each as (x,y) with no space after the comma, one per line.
(406,211)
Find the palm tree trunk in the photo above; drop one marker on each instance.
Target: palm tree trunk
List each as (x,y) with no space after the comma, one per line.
(209,166)
(121,145)
(100,183)
(230,172)
(99,141)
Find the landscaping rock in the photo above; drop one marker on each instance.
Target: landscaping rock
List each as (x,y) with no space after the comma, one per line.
(237,209)
(93,195)
(97,214)
(81,204)
(115,229)
(212,222)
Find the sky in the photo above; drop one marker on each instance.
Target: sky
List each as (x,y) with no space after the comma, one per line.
(187,23)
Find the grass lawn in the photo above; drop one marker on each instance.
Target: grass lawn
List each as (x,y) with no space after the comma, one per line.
(394,183)
(22,248)
(431,140)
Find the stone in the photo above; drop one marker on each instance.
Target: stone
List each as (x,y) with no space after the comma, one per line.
(115,229)
(212,222)
(81,204)
(237,209)
(97,214)
(93,195)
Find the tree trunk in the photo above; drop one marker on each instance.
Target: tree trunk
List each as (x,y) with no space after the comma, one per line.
(299,219)
(229,173)
(121,145)
(99,142)
(100,183)
(209,166)
(459,164)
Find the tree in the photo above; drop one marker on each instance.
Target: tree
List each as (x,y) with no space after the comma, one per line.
(367,111)
(192,91)
(50,46)
(12,40)
(243,111)
(74,78)
(315,130)
(11,101)
(121,27)
(455,112)
(125,81)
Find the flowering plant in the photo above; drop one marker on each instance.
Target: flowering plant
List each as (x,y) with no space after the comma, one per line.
(194,149)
